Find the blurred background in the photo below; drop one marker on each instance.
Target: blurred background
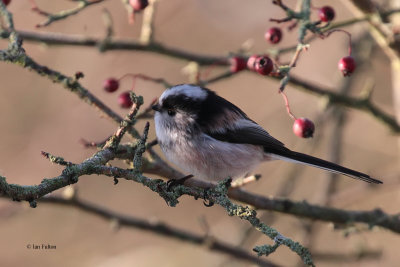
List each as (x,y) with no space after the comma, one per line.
(37,115)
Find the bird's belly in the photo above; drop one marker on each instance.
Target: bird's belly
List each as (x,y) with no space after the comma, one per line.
(210,159)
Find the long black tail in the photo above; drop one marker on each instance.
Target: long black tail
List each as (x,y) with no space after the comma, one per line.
(301,158)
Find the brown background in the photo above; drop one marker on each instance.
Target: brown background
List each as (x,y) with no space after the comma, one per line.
(39,115)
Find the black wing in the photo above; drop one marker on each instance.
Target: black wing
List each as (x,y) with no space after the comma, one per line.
(248,132)
(224,121)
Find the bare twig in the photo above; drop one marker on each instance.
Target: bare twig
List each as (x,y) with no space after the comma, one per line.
(147,31)
(62,14)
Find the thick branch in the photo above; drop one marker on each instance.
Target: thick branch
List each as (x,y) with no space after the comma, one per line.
(301,209)
(158,228)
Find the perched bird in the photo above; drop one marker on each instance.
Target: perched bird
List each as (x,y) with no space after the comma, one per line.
(211,138)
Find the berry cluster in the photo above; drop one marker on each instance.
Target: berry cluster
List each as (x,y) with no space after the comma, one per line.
(111,85)
(302,127)
(263,64)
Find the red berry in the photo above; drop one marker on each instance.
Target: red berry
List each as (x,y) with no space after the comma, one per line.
(125,100)
(263,65)
(347,65)
(303,127)
(6,2)
(273,35)
(326,14)
(138,5)
(111,85)
(251,62)
(237,64)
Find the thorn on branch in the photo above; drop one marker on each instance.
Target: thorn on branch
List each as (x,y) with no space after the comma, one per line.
(79,75)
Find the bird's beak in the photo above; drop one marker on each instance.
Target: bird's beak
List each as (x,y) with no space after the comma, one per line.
(156,107)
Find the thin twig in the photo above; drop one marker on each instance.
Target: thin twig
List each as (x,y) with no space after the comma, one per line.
(62,14)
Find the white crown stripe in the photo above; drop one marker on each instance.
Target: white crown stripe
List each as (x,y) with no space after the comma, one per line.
(191,91)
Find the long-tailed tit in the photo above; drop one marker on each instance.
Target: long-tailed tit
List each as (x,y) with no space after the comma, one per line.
(211,138)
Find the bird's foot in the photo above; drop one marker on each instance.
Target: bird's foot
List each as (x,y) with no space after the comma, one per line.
(207,202)
(174,182)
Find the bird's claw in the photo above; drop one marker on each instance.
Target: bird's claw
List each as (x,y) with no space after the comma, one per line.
(207,202)
(174,182)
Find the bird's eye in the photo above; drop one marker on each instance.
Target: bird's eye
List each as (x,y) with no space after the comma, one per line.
(171,112)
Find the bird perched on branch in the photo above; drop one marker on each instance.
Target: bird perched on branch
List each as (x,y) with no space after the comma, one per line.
(211,138)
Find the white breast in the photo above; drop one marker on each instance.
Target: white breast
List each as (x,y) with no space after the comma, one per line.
(214,160)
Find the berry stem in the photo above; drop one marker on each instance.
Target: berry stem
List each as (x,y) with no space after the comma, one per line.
(36,9)
(145,78)
(340,30)
(209,69)
(285,98)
